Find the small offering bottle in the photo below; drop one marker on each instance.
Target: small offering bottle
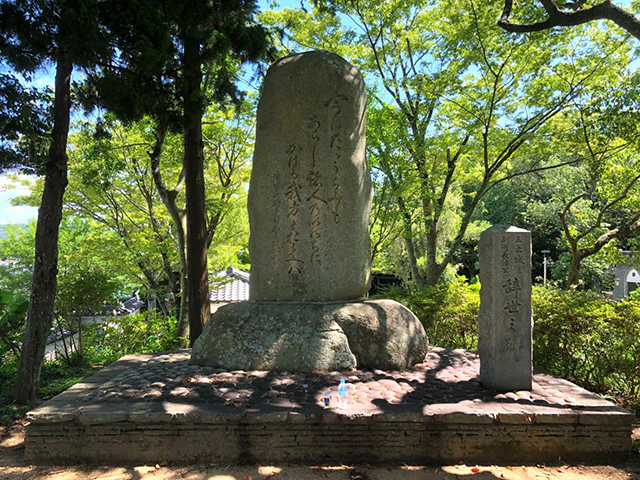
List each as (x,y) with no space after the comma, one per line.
(327,399)
(342,394)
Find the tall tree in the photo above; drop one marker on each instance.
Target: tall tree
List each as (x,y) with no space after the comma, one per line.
(571,14)
(35,34)
(197,47)
(604,207)
(457,106)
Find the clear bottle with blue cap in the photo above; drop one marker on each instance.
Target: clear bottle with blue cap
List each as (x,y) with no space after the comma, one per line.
(342,394)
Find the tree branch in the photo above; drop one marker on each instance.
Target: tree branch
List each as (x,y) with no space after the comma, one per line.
(557,18)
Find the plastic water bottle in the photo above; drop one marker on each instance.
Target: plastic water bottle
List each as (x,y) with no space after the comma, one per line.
(342,394)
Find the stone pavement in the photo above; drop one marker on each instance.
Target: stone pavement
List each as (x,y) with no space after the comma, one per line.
(446,377)
(435,411)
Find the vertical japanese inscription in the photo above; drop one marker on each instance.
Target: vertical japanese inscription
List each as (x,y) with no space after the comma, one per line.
(275,229)
(292,194)
(504,333)
(512,267)
(310,186)
(336,152)
(504,254)
(314,199)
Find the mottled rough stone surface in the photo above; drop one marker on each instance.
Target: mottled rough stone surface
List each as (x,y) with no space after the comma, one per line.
(505,318)
(273,336)
(382,333)
(310,191)
(305,336)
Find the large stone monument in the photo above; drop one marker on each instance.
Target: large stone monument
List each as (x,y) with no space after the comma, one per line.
(505,319)
(310,192)
(309,204)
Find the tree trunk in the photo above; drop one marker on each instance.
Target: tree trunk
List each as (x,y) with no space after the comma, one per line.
(197,278)
(183,314)
(434,270)
(573,276)
(407,236)
(413,262)
(179,223)
(45,269)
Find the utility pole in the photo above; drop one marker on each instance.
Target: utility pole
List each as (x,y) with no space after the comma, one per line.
(544,264)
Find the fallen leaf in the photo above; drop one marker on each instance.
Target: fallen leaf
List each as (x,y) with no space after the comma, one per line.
(247,478)
(475,470)
(186,380)
(238,405)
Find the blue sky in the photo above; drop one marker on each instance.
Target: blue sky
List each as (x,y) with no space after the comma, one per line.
(14,213)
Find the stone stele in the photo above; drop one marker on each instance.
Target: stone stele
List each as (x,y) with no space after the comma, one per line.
(309,204)
(310,193)
(505,319)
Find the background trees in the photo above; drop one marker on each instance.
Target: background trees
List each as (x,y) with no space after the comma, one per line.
(468,125)
(456,107)
(197,47)
(32,34)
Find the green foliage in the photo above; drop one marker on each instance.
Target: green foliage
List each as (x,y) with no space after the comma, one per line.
(143,333)
(18,248)
(448,311)
(8,412)
(578,335)
(590,340)
(24,121)
(55,378)
(13,311)
(149,75)
(104,344)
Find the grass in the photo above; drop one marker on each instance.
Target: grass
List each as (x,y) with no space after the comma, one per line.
(56,377)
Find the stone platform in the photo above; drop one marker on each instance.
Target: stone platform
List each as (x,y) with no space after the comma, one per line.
(150,408)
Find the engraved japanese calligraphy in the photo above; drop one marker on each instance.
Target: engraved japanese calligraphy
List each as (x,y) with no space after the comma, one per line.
(310,133)
(504,340)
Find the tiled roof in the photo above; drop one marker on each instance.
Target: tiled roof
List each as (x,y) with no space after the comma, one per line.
(230,285)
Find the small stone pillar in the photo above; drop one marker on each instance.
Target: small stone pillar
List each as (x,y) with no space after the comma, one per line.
(505,320)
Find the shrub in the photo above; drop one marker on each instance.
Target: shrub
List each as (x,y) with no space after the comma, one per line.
(578,335)
(589,339)
(143,333)
(104,343)
(56,377)
(448,311)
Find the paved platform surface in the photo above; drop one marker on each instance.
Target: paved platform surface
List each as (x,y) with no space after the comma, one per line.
(391,415)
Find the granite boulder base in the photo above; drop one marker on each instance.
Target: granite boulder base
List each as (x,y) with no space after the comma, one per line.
(311,336)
